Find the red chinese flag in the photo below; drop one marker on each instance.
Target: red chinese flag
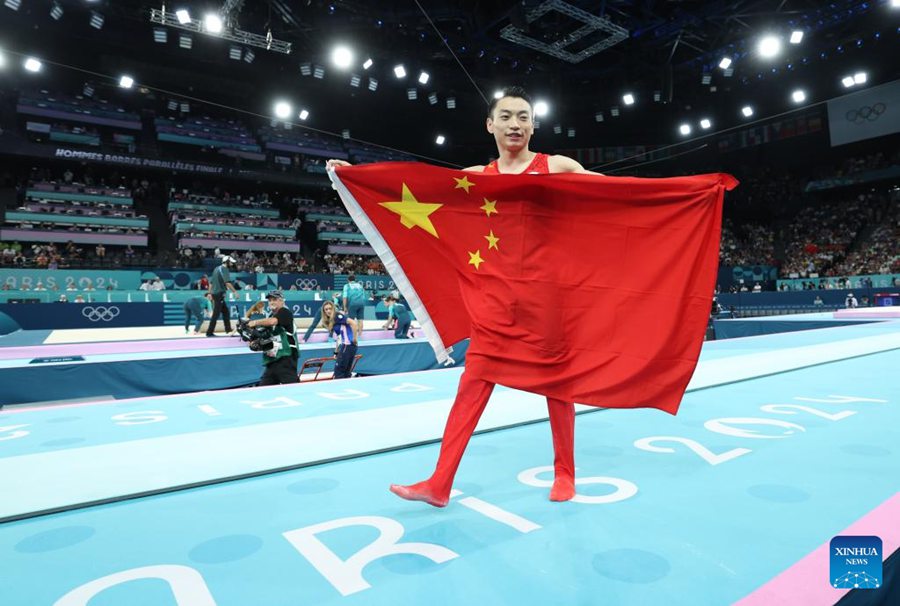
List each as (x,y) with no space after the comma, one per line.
(585,288)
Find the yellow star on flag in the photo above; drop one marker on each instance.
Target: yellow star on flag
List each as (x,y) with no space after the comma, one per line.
(489,207)
(475,259)
(412,212)
(463,183)
(492,240)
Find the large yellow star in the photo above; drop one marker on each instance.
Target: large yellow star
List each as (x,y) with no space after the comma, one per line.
(489,207)
(492,240)
(412,212)
(475,259)
(463,183)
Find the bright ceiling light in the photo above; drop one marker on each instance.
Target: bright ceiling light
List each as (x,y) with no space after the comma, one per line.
(183,16)
(725,63)
(895,3)
(33,65)
(769,46)
(440,140)
(423,78)
(126,81)
(498,94)
(847,81)
(685,129)
(367,64)
(303,114)
(798,96)
(342,57)
(628,99)
(747,111)
(283,110)
(213,23)
(796,36)
(541,109)
(860,77)
(705,123)
(400,71)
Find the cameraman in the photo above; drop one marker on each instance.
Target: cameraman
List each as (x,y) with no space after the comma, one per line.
(281,360)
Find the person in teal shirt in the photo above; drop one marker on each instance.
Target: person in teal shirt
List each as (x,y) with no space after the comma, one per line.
(397,311)
(197,308)
(354,299)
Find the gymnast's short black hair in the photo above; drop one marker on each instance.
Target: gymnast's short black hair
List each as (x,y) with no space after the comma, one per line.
(512,91)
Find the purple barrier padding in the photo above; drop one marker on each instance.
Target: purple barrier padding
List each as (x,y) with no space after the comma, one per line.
(130,347)
(117,347)
(236,153)
(309,151)
(61,209)
(86,118)
(240,244)
(77,189)
(33,235)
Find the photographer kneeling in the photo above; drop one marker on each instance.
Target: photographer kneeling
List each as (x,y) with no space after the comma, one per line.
(274,337)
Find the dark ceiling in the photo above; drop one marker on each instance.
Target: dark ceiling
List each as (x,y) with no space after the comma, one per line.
(669,48)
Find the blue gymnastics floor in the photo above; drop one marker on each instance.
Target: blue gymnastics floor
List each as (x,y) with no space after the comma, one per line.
(701,508)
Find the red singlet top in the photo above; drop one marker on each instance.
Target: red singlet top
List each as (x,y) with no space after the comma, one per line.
(539,166)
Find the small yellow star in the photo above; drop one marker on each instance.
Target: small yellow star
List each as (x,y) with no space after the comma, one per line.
(463,183)
(489,207)
(475,258)
(492,240)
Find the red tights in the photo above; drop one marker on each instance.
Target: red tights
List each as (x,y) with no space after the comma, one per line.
(471,398)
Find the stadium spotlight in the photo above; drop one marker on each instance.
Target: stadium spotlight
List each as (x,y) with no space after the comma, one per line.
(126,81)
(451,102)
(373,84)
(847,81)
(355,80)
(598,117)
(705,123)
(725,63)
(303,115)
(628,99)
(895,3)
(185,41)
(33,65)
(400,71)
(498,94)
(342,57)
(183,16)
(433,99)
(747,111)
(423,78)
(685,129)
(318,72)
(412,94)
(541,109)
(796,36)
(249,55)
(2,60)
(283,110)
(769,46)
(13,4)
(798,96)
(440,140)
(367,64)
(160,35)
(56,11)
(97,20)
(234,52)
(860,78)
(213,23)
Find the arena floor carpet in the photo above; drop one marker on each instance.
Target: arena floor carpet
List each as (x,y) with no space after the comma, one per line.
(278,495)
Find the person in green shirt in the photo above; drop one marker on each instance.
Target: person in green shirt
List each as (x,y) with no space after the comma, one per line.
(397,311)
(197,308)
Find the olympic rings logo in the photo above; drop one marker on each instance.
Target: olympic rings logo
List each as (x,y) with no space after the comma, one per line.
(304,283)
(866,112)
(100,313)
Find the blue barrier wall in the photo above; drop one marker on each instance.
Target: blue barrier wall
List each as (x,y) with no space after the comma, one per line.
(796,299)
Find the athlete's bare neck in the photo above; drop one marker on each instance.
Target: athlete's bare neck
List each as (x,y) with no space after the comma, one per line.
(514,161)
